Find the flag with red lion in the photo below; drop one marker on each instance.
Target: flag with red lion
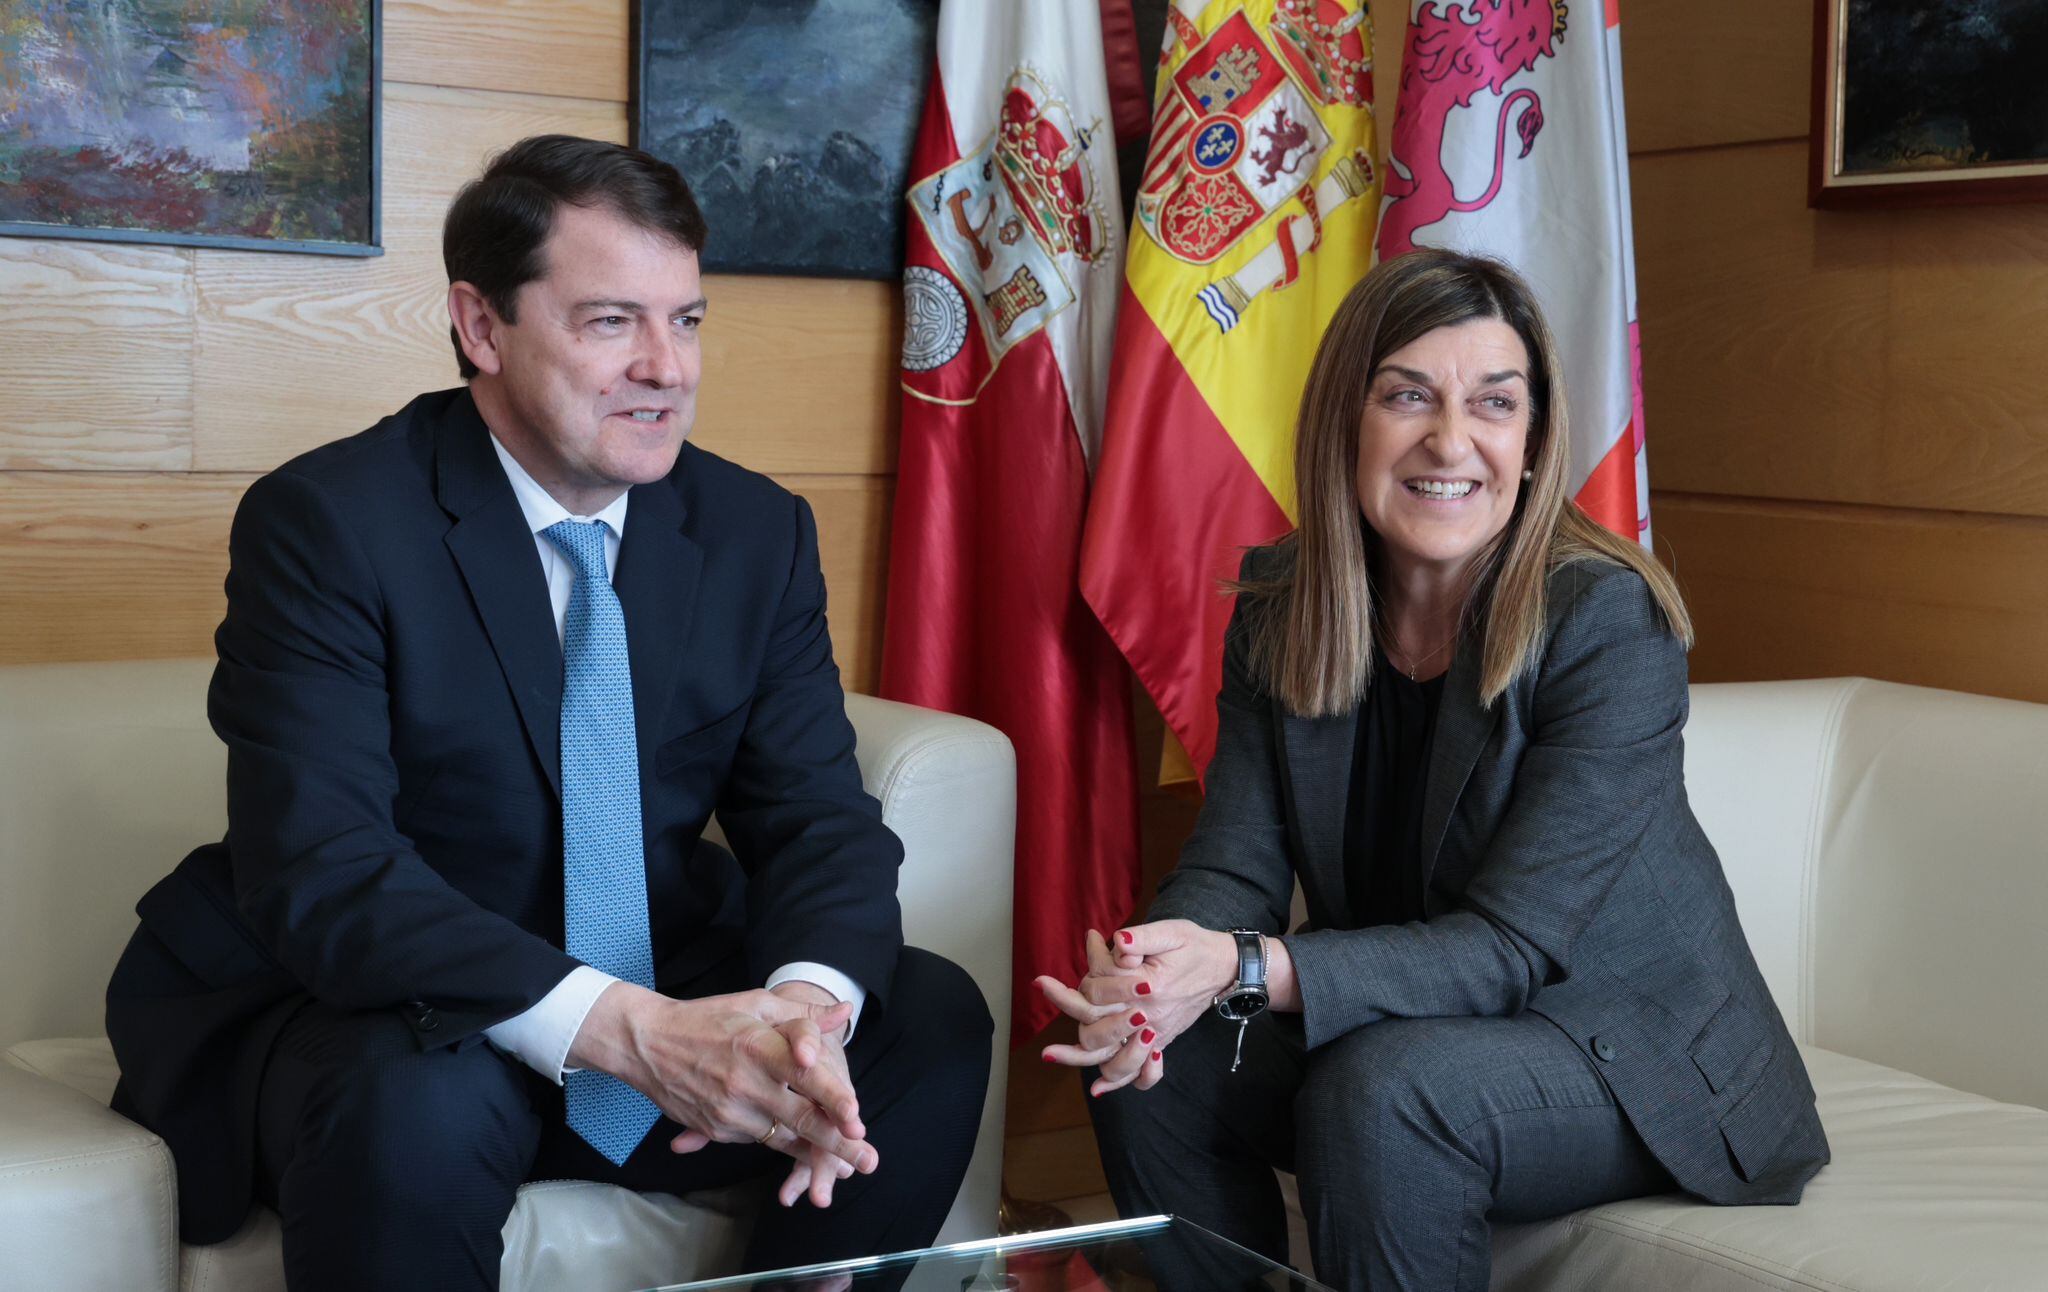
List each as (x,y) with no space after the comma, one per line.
(1509,140)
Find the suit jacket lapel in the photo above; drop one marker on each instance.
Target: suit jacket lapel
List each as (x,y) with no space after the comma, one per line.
(495,551)
(656,579)
(1462,730)
(1319,752)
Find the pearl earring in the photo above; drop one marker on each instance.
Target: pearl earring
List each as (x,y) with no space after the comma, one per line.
(1528,475)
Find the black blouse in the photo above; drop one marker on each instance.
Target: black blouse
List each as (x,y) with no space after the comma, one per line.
(1389,769)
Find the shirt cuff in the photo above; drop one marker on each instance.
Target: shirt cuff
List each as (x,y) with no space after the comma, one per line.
(835,983)
(540,1038)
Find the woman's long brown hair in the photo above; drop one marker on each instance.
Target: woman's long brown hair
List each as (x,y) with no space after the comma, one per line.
(1312,635)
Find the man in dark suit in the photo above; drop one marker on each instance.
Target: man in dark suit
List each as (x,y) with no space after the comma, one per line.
(487,670)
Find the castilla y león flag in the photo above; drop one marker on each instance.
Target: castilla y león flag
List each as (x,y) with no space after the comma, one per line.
(1255,215)
(1509,140)
(1014,257)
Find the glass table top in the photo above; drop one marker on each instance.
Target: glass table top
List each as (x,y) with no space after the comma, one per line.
(1157,1252)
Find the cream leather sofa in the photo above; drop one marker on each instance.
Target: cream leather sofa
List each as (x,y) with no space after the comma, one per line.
(1888,848)
(108,773)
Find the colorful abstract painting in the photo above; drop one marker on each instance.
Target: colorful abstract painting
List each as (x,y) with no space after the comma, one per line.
(241,123)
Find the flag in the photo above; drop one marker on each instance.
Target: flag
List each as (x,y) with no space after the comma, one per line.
(1013,261)
(1255,215)
(1519,111)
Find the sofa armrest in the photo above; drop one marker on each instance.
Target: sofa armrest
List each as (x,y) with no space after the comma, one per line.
(948,788)
(87,1198)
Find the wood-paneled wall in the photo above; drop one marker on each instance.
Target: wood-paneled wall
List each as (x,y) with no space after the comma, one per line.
(1848,443)
(145,387)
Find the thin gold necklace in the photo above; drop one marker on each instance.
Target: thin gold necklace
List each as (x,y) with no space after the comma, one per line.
(1417,661)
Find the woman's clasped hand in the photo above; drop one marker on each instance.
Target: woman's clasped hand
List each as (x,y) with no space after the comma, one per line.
(1137,996)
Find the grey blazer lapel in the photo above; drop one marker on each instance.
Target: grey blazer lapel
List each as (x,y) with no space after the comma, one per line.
(1318,768)
(1462,730)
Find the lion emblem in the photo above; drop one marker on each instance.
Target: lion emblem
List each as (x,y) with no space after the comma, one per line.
(1454,53)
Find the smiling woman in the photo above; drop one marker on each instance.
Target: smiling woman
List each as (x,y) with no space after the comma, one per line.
(1434,494)
(1450,711)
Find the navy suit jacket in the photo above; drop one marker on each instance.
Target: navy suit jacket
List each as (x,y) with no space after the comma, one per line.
(389,689)
(1565,875)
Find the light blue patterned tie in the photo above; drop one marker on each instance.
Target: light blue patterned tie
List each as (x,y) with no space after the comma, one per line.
(604,884)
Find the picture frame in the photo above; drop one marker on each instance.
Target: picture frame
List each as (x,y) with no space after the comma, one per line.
(191,153)
(1912,103)
(792,123)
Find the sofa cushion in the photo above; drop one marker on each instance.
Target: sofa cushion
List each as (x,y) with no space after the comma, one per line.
(1929,1187)
(87,1199)
(562,1233)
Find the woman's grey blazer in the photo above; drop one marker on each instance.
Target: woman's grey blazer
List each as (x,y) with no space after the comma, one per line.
(1564,875)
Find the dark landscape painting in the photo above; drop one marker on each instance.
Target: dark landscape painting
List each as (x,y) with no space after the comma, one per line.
(242,123)
(1943,84)
(793,120)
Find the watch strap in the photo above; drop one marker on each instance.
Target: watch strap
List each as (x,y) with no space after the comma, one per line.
(1251,957)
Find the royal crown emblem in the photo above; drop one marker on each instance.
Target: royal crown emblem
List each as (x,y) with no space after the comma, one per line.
(1016,221)
(1039,149)
(1327,47)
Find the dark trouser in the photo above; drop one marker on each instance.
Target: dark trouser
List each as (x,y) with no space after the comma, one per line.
(1406,1138)
(395,1168)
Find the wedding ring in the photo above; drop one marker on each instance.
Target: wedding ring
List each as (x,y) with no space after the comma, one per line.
(768,1136)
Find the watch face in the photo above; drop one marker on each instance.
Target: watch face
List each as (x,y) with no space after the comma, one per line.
(1240,1005)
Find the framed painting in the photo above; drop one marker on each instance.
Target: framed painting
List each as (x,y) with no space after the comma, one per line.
(793,121)
(250,124)
(1927,102)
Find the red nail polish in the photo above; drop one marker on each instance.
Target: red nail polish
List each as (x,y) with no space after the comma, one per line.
(1125,937)
(1144,989)
(1157,1056)
(1145,1037)
(1137,1020)
(1048,1058)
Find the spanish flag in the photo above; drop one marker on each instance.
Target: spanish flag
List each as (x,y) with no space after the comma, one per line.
(1255,215)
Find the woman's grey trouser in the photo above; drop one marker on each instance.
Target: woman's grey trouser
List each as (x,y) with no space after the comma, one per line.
(1407,1137)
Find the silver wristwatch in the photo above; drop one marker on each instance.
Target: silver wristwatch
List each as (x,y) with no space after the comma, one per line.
(1246,999)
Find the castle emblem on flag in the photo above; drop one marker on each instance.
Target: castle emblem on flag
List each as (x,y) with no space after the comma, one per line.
(1016,222)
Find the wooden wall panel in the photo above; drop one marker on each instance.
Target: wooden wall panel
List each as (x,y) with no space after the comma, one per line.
(853,546)
(291,355)
(1703,74)
(99,356)
(1762,323)
(1966,420)
(571,48)
(112,565)
(799,372)
(1863,357)
(1782,590)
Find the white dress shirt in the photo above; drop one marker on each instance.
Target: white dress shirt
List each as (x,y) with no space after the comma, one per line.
(541,1036)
